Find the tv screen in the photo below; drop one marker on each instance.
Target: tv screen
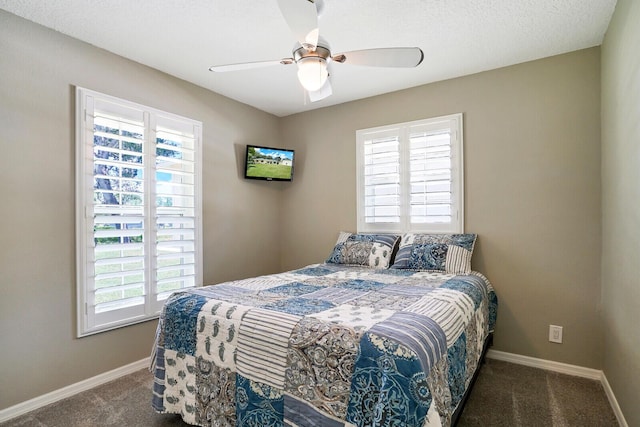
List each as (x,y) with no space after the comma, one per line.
(271,164)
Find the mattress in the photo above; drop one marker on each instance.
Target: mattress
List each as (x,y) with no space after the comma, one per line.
(325,345)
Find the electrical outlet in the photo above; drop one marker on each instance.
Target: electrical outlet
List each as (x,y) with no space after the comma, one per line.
(555,334)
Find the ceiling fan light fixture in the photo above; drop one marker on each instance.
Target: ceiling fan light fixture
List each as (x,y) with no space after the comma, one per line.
(312,72)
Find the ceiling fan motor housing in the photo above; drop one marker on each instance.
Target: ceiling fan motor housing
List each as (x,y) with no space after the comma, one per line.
(320,52)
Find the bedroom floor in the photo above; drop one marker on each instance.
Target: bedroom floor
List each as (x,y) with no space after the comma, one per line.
(505,394)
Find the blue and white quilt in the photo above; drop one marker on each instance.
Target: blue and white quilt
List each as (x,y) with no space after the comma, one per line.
(326,345)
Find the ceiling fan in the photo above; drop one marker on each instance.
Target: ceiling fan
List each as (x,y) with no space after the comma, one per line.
(312,54)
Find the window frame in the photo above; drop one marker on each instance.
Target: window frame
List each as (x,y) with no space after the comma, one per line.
(153,119)
(454,124)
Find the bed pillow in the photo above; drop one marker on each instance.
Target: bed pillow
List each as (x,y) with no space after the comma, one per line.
(370,250)
(450,253)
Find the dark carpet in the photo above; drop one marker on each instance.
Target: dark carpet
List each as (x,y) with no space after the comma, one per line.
(505,394)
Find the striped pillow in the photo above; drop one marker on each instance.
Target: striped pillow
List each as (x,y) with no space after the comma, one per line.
(450,253)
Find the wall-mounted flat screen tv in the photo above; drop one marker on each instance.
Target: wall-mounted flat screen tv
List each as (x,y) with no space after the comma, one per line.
(270,164)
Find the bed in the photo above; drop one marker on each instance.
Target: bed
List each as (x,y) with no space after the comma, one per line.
(389,331)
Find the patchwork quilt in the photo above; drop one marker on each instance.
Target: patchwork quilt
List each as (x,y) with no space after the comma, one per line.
(326,345)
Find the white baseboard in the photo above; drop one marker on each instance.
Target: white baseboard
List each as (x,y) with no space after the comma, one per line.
(70,390)
(614,402)
(564,368)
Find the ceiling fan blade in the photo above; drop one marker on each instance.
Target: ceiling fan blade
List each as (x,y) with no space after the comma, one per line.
(302,18)
(402,57)
(322,93)
(250,65)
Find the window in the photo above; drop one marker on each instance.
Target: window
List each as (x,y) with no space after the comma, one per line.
(138,210)
(410,177)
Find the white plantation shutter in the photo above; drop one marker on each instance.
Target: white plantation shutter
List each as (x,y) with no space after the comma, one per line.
(382,179)
(115,214)
(176,207)
(410,177)
(138,210)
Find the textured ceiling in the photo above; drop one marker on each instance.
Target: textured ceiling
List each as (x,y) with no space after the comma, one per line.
(459,37)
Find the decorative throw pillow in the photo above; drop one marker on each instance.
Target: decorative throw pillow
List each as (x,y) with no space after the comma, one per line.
(450,253)
(371,250)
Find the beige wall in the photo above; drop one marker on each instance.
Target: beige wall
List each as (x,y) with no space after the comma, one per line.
(38,70)
(621,206)
(532,178)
